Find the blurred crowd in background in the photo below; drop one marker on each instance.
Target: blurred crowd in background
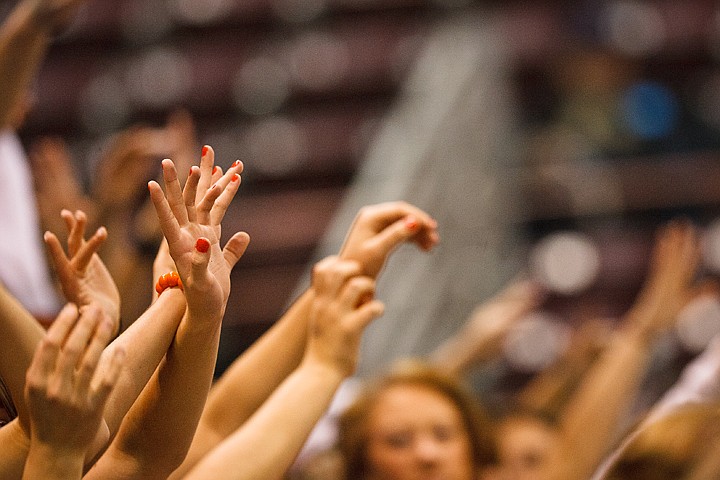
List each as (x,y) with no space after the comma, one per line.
(615,108)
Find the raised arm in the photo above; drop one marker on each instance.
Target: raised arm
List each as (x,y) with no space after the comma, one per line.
(376,231)
(24,38)
(66,392)
(266,445)
(590,422)
(156,434)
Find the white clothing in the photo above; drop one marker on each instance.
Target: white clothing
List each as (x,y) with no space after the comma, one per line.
(23,264)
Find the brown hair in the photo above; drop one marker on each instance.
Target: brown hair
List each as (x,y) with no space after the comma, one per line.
(353,424)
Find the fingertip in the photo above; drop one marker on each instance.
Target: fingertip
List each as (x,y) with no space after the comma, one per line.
(411,223)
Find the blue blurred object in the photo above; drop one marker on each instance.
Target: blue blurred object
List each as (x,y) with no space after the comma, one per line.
(650,110)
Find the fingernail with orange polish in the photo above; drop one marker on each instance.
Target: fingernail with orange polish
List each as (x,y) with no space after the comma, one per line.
(204,150)
(202,245)
(235,177)
(411,223)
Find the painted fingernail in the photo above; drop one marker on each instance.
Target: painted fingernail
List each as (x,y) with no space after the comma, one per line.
(235,164)
(235,177)
(411,223)
(204,150)
(202,245)
(189,174)
(215,169)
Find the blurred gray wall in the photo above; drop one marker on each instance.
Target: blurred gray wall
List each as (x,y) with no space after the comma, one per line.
(446,147)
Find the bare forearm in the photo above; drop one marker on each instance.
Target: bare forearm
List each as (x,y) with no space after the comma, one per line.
(23,43)
(21,334)
(590,422)
(47,463)
(160,426)
(148,339)
(15,447)
(281,426)
(253,377)
(249,381)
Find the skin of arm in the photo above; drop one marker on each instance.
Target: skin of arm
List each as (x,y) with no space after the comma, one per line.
(376,231)
(15,446)
(85,280)
(550,390)
(266,445)
(590,421)
(21,334)
(157,431)
(24,39)
(66,392)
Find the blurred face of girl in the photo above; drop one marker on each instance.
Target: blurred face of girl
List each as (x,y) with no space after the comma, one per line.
(416,433)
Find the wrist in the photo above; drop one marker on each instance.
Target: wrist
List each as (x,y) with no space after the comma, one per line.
(328,371)
(168,280)
(61,461)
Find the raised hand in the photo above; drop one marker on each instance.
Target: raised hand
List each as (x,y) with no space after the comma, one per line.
(128,163)
(57,185)
(192,229)
(343,306)
(670,282)
(83,276)
(378,229)
(482,336)
(67,387)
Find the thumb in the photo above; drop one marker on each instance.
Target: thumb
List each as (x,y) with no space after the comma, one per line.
(235,248)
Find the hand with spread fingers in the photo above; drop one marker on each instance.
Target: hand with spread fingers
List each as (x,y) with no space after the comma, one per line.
(68,384)
(83,276)
(190,220)
(378,229)
(157,431)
